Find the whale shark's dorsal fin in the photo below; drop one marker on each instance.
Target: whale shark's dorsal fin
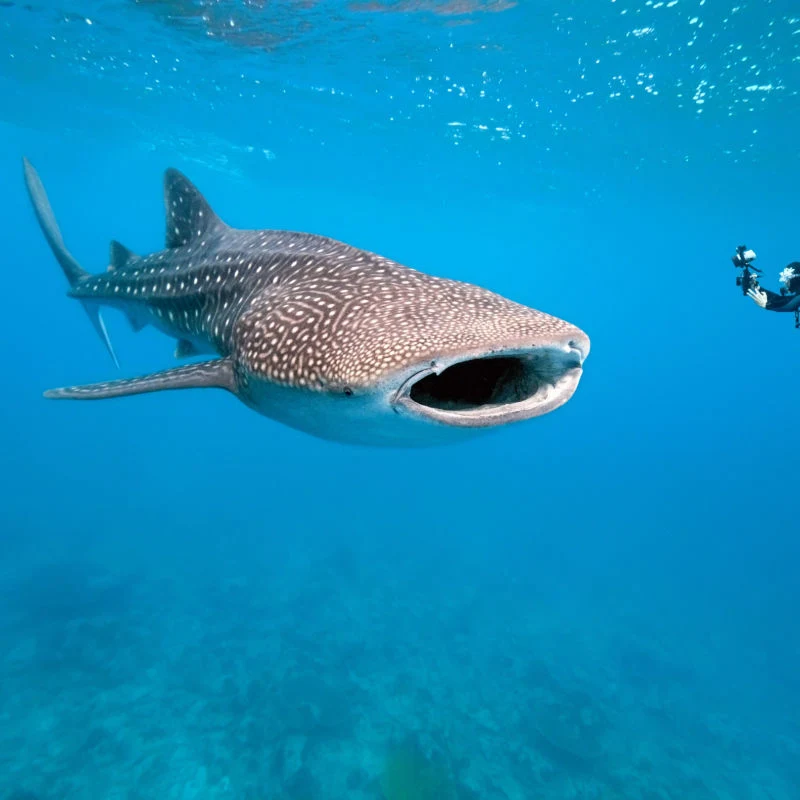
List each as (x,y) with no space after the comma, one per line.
(189,216)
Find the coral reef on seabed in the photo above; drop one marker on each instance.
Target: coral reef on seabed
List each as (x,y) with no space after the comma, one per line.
(320,688)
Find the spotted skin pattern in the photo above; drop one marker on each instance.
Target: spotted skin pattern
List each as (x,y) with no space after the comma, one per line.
(294,310)
(300,309)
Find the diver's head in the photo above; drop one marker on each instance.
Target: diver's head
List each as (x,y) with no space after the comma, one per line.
(790,277)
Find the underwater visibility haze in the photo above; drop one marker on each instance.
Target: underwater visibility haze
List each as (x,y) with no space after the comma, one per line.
(597,600)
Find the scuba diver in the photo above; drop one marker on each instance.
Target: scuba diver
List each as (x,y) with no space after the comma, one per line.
(789,297)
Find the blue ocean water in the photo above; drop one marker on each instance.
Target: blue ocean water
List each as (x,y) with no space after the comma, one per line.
(599,603)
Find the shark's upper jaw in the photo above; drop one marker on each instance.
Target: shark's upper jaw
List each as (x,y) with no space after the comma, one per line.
(494,387)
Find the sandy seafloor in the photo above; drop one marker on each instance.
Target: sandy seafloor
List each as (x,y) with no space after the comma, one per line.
(301,679)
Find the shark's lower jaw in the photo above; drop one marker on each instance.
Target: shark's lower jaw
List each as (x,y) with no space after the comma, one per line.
(493,389)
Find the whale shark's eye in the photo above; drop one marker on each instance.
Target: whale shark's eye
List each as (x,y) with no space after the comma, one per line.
(348,392)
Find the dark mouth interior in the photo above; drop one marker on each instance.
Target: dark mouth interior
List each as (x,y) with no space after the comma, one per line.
(476,383)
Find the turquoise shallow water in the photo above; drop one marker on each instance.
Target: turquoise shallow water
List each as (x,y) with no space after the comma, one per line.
(599,603)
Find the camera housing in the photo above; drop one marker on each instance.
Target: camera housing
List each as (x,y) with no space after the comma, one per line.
(743,256)
(743,260)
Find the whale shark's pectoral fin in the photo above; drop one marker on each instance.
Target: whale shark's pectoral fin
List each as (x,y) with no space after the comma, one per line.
(216,374)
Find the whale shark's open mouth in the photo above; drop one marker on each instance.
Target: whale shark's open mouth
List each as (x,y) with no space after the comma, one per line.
(494,389)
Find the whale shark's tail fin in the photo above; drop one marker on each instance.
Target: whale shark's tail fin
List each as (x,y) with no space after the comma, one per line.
(72,269)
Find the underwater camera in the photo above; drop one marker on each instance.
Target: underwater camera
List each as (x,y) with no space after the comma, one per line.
(743,256)
(743,259)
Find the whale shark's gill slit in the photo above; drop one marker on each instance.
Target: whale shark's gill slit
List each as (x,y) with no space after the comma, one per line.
(479,382)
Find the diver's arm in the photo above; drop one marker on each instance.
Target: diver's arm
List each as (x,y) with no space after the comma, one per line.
(772,301)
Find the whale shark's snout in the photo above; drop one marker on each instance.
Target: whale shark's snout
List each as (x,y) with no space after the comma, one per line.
(454,354)
(436,361)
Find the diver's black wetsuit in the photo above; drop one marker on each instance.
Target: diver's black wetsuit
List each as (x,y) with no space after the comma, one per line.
(789,301)
(779,302)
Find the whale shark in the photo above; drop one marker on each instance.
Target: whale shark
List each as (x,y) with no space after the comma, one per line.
(319,335)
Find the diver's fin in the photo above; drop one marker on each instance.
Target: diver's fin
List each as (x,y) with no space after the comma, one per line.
(119,256)
(185,348)
(189,216)
(72,269)
(216,374)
